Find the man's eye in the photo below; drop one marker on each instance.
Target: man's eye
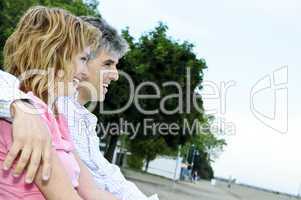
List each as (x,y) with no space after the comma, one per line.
(107,65)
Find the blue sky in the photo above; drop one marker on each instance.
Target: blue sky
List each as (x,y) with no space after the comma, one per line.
(241,41)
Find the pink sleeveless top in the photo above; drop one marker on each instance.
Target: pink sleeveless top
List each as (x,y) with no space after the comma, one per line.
(15,188)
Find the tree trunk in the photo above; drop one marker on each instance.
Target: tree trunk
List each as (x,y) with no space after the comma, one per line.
(111,149)
(147,164)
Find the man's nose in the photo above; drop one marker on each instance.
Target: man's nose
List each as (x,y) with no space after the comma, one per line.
(114,76)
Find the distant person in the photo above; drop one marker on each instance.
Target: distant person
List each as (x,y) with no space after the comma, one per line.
(195,176)
(231,181)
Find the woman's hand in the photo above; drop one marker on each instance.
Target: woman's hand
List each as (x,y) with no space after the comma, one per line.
(31,140)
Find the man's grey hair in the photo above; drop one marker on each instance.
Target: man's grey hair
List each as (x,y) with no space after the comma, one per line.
(111,41)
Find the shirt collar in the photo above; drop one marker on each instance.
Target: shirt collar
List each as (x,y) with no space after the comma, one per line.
(75,108)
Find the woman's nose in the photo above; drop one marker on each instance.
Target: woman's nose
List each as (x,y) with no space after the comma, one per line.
(83,72)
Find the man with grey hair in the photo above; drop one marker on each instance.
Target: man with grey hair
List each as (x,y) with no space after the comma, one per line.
(101,71)
(82,123)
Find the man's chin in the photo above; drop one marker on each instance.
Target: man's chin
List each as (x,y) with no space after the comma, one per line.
(101,99)
(97,99)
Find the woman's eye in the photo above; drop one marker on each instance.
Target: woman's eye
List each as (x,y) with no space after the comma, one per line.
(84,59)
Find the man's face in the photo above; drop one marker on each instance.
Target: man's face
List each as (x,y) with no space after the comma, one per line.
(101,71)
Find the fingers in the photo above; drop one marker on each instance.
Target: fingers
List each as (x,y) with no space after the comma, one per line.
(23,160)
(34,141)
(12,155)
(46,156)
(33,165)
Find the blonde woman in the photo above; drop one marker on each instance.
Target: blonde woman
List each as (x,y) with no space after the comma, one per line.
(49,40)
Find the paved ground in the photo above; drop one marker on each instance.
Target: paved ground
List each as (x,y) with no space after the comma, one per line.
(202,190)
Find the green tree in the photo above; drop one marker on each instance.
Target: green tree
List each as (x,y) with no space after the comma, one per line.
(147,149)
(157,58)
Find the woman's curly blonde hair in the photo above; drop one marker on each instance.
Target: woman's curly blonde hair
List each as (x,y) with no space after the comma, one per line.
(46,38)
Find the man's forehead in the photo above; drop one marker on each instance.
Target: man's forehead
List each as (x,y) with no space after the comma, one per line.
(106,56)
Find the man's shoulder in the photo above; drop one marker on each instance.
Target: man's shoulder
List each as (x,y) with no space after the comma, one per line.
(66,106)
(74,111)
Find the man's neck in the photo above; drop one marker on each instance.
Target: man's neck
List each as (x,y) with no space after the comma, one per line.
(82,100)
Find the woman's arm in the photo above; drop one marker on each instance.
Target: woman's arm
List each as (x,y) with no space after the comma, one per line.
(59,186)
(87,187)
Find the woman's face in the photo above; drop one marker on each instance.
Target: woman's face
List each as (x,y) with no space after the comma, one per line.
(80,72)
